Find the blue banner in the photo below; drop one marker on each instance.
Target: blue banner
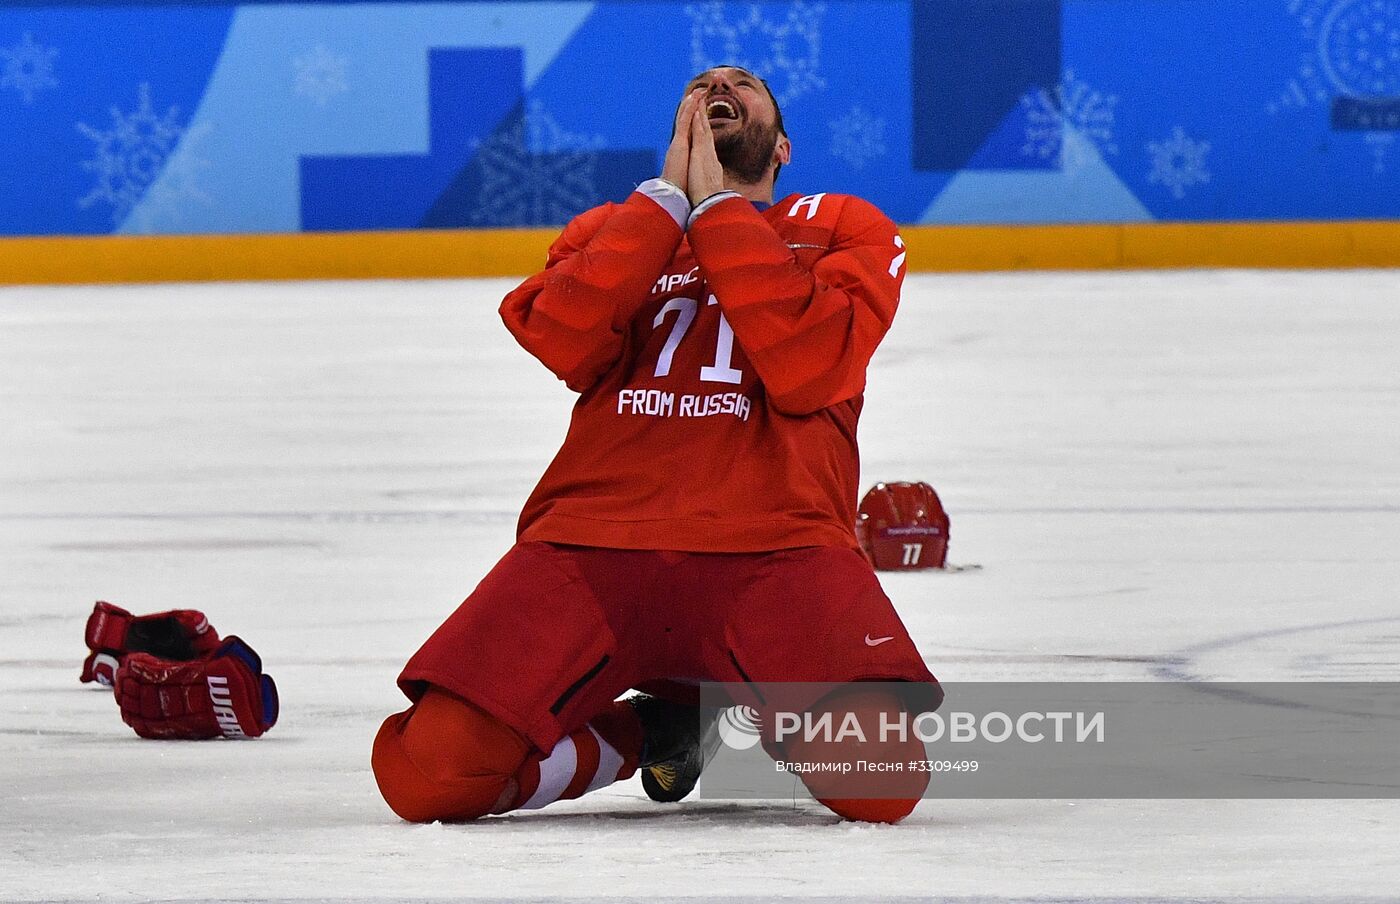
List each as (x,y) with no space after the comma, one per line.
(283,117)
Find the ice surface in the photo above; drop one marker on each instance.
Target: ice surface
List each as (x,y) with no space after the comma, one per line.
(1186,475)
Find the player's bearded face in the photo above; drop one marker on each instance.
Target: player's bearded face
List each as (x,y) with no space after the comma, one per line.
(746,150)
(744,120)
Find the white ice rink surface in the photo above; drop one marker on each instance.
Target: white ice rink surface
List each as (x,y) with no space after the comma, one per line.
(1176,476)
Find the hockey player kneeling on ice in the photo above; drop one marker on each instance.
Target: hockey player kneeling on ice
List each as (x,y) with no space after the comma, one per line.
(698,522)
(174,678)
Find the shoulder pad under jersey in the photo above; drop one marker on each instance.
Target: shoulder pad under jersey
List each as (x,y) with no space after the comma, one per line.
(829,216)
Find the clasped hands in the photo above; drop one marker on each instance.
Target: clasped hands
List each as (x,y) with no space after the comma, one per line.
(692,165)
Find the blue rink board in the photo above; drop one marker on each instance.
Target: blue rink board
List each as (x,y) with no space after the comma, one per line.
(281,117)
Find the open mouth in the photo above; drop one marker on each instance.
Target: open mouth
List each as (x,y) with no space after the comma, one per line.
(721,109)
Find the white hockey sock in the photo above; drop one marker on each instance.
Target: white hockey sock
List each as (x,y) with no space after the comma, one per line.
(579,763)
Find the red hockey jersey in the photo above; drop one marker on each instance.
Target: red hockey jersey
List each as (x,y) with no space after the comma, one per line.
(720,371)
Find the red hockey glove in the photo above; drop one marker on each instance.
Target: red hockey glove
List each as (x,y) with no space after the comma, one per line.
(902,526)
(222,695)
(112,633)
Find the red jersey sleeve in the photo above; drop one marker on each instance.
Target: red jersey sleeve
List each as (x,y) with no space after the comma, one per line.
(808,332)
(574,315)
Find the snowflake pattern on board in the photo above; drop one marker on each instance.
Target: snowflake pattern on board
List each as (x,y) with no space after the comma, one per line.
(320,75)
(1351,48)
(784,50)
(535,173)
(130,157)
(857,137)
(163,207)
(1380,144)
(28,68)
(1179,162)
(1360,48)
(544,135)
(1068,122)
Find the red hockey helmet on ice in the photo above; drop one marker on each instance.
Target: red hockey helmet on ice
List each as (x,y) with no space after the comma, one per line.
(902,527)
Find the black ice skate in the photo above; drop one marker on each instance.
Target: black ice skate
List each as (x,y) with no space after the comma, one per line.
(678,740)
